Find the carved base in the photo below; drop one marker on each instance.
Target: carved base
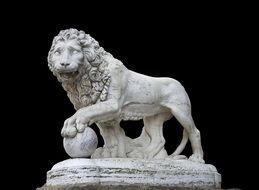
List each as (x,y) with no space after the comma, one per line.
(129,173)
(107,187)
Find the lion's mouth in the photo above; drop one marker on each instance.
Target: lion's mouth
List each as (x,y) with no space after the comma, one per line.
(68,75)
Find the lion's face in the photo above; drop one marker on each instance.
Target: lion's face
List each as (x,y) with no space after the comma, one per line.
(67,58)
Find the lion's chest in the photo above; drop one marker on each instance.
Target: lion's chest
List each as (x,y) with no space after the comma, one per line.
(82,99)
(87,93)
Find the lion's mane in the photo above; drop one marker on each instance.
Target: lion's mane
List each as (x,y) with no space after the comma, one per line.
(94,80)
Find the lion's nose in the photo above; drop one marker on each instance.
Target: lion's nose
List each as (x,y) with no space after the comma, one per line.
(64,64)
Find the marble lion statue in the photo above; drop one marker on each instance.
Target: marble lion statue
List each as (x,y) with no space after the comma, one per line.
(104,92)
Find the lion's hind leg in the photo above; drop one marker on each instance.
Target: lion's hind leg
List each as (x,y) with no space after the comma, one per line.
(182,113)
(153,126)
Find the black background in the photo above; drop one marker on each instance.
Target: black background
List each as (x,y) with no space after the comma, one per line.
(207,49)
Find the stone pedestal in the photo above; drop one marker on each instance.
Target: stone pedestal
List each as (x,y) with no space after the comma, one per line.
(131,174)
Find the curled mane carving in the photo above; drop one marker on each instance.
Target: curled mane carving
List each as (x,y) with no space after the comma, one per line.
(93,81)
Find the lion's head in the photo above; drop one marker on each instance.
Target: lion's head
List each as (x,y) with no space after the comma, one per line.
(77,60)
(72,49)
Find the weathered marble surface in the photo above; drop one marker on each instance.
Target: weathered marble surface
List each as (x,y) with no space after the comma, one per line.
(127,172)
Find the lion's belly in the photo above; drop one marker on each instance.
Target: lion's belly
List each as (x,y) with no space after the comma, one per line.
(137,111)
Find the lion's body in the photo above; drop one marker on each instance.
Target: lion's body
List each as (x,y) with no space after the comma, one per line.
(120,94)
(145,96)
(155,94)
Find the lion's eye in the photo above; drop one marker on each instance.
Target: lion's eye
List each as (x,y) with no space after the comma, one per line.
(57,53)
(75,51)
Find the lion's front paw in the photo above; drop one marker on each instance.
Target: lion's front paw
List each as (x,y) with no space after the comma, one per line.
(69,129)
(97,153)
(73,125)
(136,154)
(102,152)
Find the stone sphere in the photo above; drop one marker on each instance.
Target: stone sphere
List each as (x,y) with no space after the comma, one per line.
(82,145)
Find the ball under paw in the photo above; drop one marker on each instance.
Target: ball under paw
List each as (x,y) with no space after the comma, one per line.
(82,145)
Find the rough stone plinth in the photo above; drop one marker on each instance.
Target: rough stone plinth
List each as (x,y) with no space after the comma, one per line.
(129,173)
(130,187)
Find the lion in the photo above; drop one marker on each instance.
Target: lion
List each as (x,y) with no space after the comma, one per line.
(104,91)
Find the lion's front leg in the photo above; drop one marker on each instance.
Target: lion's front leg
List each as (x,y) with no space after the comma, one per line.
(101,111)
(114,140)
(88,115)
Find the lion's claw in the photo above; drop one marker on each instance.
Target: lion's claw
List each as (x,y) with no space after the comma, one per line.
(80,127)
(71,132)
(72,126)
(63,133)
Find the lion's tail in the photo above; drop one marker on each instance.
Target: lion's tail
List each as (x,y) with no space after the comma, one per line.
(182,145)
